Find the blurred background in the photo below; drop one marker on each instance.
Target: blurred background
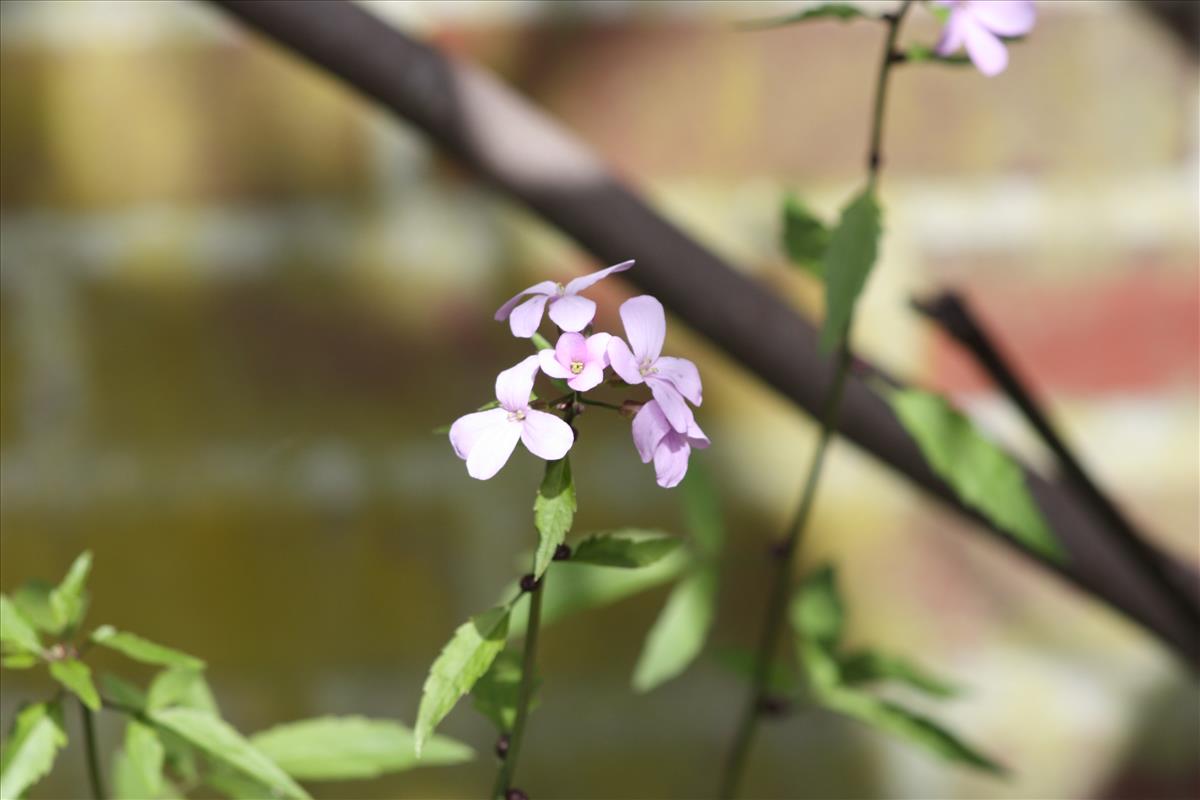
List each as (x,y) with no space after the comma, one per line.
(236,299)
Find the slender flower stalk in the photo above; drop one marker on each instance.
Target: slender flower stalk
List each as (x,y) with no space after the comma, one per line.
(93,754)
(758,700)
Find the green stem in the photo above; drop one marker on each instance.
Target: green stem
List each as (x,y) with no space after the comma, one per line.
(509,765)
(93,755)
(599,403)
(781,580)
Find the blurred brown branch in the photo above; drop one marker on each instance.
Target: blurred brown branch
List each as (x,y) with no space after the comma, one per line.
(524,153)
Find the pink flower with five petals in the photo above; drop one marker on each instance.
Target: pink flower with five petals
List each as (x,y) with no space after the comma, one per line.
(577,360)
(568,310)
(670,449)
(978,24)
(486,439)
(670,379)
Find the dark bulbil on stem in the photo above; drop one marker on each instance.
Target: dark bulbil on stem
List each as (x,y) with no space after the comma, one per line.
(530,583)
(562,553)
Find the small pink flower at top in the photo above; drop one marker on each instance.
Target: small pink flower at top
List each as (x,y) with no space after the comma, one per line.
(568,310)
(670,379)
(978,24)
(670,449)
(486,439)
(579,361)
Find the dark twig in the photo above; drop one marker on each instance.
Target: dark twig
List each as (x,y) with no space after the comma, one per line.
(93,754)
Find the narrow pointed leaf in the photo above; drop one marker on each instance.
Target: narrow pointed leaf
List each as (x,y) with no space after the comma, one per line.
(679,632)
(30,750)
(843,12)
(137,772)
(143,650)
(20,661)
(462,662)
(495,694)
(853,248)
(868,666)
(982,475)
(68,600)
(630,548)
(181,686)
(805,237)
(352,748)
(122,693)
(214,737)
(77,677)
(816,611)
(553,512)
(16,633)
(702,516)
(33,601)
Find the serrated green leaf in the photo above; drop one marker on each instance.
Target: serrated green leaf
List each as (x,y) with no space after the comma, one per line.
(352,748)
(137,769)
(917,53)
(143,650)
(678,634)
(33,601)
(124,694)
(495,694)
(816,610)
(181,686)
(805,237)
(983,476)
(77,677)
(781,677)
(630,548)
(464,659)
(68,600)
(836,11)
(235,785)
(910,726)
(702,517)
(553,512)
(853,248)
(32,746)
(16,633)
(868,666)
(214,737)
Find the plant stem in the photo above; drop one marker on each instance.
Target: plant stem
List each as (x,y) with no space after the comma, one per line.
(93,756)
(524,693)
(735,763)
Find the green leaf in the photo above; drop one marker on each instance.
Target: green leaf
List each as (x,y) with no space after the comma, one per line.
(33,601)
(352,748)
(16,634)
(630,548)
(899,721)
(143,650)
(853,248)
(20,661)
(137,772)
(235,785)
(461,663)
(816,610)
(919,53)
(77,677)
(983,476)
(68,600)
(679,632)
(122,693)
(805,238)
(702,516)
(29,753)
(181,686)
(868,666)
(214,737)
(495,694)
(781,678)
(838,11)
(553,512)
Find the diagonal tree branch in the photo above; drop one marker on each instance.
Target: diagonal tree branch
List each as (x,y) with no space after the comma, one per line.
(524,153)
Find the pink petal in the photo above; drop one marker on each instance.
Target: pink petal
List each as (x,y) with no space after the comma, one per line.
(671,402)
(683,375)
(645,327)
(1004,17)
(514,384)
(526,317)
(623,362)
(545,287)
(696,437)
(551,366)
(953,34)
(466,430)
(584,281)
(572,313)
(597,348)
(591,377)
(986,51)
(649,428)
(546,435)
(571,347)
(492,450)
(671,460)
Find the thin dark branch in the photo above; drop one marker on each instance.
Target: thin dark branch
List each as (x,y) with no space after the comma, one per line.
(525,154)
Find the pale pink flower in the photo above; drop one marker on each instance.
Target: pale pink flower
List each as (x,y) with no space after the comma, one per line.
(577,360)
(978,24)
(485,439)
(670,379)
(568,310)
(670,449)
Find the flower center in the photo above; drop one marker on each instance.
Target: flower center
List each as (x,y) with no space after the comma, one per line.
(647,369)
(560,289)
(516,416)
(576,367)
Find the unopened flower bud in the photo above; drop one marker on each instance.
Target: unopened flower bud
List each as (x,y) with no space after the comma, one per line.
(502,746)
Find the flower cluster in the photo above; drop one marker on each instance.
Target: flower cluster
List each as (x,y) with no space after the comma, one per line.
(664,427)
(979,25)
